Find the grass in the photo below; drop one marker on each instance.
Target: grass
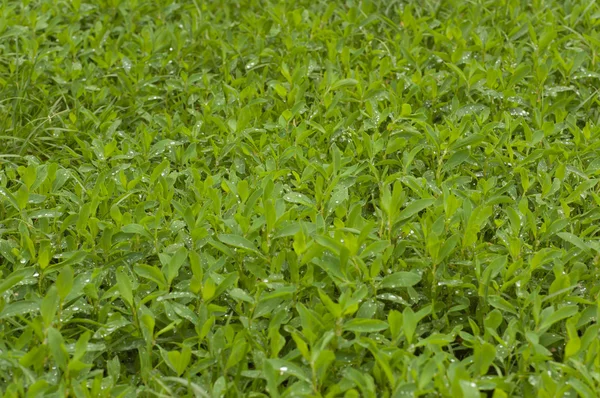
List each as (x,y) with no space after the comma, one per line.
(299,199)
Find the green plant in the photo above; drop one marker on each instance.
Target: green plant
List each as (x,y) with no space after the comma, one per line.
(276,198)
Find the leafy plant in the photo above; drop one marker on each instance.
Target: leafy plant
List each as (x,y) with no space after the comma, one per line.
(276,198)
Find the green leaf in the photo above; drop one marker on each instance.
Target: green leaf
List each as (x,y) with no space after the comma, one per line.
(135,229)
(574,240)
(56,345)
(469,389)
(238,242)
(49,306)
(179,360)
(456,159)
(6,195)
(448,247)
(562,313)
(343,83)
(501,304)
(484,356)
(363,325)
(64,282)
(298,198)
(151,273)
(74,259)
(582,389)
(125,287)
(287,367)
(19,308)
(12,279)
(478,217)
(226,283)
(400,279)
(332,307)
(395,320)
(414,207)
(238,352)
(241,295)
(410,320)
(172,268)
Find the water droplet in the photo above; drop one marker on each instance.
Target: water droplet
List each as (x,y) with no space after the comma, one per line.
(126,64)
(518,112)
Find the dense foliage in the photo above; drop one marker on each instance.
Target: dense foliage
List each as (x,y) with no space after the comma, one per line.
(299,198)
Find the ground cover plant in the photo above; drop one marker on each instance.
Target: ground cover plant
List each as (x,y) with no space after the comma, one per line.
(299,199)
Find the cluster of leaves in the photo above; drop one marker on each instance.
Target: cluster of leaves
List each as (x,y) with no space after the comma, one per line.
(299,198)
